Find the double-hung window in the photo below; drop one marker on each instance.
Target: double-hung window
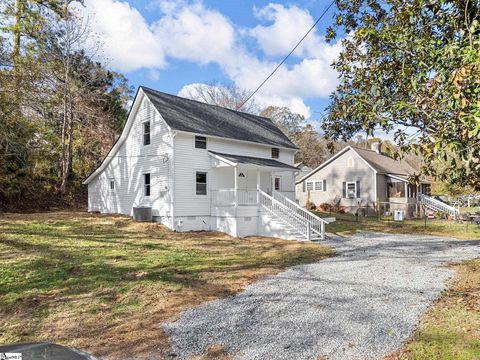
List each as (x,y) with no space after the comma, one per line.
(146,133)
(318,185)
(309,185)
(277,184)
(275,153)
(146,184)
(201,183)
(200,142)
(351,190)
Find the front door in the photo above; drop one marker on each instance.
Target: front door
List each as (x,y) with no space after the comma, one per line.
(242,180)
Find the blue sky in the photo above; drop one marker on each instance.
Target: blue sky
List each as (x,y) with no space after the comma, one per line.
(170,45)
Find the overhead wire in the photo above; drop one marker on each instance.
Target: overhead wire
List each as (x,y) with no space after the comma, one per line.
(286,57)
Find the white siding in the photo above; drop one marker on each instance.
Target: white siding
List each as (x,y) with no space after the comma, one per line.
(188,160)
(172,161)
(128,165)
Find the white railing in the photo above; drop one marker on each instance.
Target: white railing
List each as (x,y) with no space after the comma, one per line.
(226,197)
(317,224)
(437,205)
(283,213)
(293,215)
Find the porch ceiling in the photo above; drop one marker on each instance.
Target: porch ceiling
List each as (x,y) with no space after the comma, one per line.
(250,161)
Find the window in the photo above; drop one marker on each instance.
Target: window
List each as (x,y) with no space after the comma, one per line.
(275,153)
(396,189)
(112,185)
(146,184)
(200,142)
(146,133)
(309,185)
(350,162)
(318,185)
(276,183)
(201,183)
(351,190)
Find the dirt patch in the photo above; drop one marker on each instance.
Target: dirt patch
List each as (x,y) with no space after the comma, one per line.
(105,284)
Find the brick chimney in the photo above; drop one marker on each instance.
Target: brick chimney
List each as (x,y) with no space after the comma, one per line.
(376,146)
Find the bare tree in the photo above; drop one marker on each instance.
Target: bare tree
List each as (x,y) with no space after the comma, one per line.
(229,96)
(70,43)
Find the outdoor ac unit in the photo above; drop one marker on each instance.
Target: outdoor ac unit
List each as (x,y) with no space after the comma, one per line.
(398,215)
(142,213)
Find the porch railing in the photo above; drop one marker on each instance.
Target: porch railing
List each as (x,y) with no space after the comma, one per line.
(292,214)
(226,197)
(437,205)
(316,224)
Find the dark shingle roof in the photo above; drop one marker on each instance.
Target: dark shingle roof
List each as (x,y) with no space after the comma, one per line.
(385,164)
(239,159)
(200,118)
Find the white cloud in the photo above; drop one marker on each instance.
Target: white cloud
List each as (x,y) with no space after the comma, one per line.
(190,31)
(287,26)
(129,44)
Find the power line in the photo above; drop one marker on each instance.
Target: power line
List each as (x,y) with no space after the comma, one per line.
(286,57)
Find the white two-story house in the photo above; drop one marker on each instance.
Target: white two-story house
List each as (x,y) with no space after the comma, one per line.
(202,167)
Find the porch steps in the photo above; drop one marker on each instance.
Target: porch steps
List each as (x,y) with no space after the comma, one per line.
(437,205)
(279,228)
(287,213)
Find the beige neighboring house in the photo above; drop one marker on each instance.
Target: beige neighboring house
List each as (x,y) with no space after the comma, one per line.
(360,178)
(303,170)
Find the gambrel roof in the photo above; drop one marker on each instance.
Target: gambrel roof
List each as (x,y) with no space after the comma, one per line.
(200,118)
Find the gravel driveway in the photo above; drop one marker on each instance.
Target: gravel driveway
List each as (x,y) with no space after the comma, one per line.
(362,304)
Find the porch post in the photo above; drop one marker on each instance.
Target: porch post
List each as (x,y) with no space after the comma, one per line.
(258,186)
(235,191)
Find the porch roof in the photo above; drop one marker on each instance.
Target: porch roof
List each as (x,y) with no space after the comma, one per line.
(235,160)
(404,178)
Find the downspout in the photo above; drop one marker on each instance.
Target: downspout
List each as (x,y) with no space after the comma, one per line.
(235,190)
(377,203)
(174,133)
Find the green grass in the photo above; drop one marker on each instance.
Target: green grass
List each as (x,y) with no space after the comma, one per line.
(348,224)
(105,283)
(471,209)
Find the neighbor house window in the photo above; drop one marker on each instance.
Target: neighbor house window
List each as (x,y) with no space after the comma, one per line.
(351,190)
(318,185)
(309,185)
(146,133)
(112,185)
(275,153)
(276,183)
(200,142)
(201,183)
(146,184)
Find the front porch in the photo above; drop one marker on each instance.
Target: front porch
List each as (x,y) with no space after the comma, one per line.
(254,196)
(237,180)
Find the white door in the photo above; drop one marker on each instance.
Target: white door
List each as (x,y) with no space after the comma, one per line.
(242,179)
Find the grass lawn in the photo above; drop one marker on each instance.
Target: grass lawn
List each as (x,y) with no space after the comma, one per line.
(348,224)
(450,330)
(104,284)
